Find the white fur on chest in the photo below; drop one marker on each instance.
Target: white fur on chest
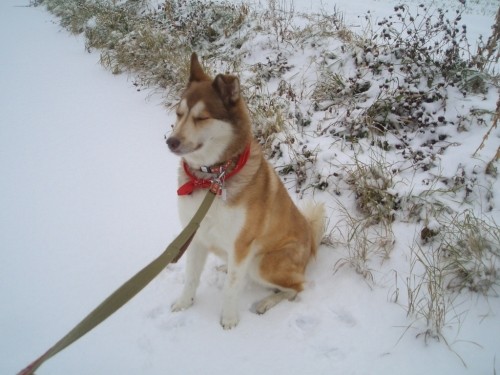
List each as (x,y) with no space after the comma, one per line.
(221,226)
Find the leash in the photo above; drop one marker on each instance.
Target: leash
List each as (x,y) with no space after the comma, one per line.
(133,286)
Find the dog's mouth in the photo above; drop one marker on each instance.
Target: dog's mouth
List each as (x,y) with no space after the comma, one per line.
(186,151)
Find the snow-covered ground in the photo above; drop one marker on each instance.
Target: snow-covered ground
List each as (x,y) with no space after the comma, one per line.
(87,197)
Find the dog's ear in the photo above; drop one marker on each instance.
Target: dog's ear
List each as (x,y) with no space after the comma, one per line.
(196,72)
(228,88)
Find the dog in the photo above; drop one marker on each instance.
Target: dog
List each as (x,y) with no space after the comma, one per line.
(253,223)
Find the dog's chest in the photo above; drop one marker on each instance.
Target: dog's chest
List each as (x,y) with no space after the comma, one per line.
(221,226)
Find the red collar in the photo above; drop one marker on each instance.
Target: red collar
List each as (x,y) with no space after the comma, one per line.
(202,183)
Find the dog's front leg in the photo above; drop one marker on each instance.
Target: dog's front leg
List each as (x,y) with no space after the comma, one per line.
(195,261)
(235,281)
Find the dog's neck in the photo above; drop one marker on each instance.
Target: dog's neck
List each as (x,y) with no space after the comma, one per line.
(202,162)
(218,173)
(217,168)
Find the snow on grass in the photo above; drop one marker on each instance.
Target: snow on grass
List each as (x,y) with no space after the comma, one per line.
(88,198)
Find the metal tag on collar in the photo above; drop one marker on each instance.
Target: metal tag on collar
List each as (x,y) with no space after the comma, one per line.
(218,188)
(220,183)
(205,169)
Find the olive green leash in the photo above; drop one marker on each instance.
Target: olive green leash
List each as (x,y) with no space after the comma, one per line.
(133,286)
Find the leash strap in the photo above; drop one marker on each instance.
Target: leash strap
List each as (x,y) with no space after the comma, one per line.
(128,290)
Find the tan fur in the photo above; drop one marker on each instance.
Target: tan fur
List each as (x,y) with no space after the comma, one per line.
(264,235)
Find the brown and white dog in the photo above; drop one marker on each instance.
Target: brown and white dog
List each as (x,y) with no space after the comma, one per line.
(254,225)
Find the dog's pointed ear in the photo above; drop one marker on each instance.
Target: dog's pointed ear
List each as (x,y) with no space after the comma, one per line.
(228,88)
(196,72)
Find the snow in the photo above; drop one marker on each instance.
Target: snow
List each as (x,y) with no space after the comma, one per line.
(88,198)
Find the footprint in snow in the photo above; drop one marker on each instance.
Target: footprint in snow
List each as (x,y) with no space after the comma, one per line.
(345,317)
(175,321)
(156,312)
(304,324)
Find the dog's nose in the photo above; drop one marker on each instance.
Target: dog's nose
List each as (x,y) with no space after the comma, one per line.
(173,143)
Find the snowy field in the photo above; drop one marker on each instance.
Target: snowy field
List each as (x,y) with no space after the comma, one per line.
(88,198)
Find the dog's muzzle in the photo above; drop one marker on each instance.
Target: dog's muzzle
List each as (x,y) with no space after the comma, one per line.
(173,143)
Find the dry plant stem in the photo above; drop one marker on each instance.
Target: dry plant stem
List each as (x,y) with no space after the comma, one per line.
(493,126)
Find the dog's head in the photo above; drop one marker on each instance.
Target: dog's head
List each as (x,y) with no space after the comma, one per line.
(212,123)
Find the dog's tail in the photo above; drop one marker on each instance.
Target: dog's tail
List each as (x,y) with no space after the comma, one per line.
(315,216)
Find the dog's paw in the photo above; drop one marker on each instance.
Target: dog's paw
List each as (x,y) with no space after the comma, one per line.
(262,306)
(229,321)
(270,301)
(182,304)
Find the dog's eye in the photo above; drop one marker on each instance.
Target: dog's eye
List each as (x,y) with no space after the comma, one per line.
(202,118)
